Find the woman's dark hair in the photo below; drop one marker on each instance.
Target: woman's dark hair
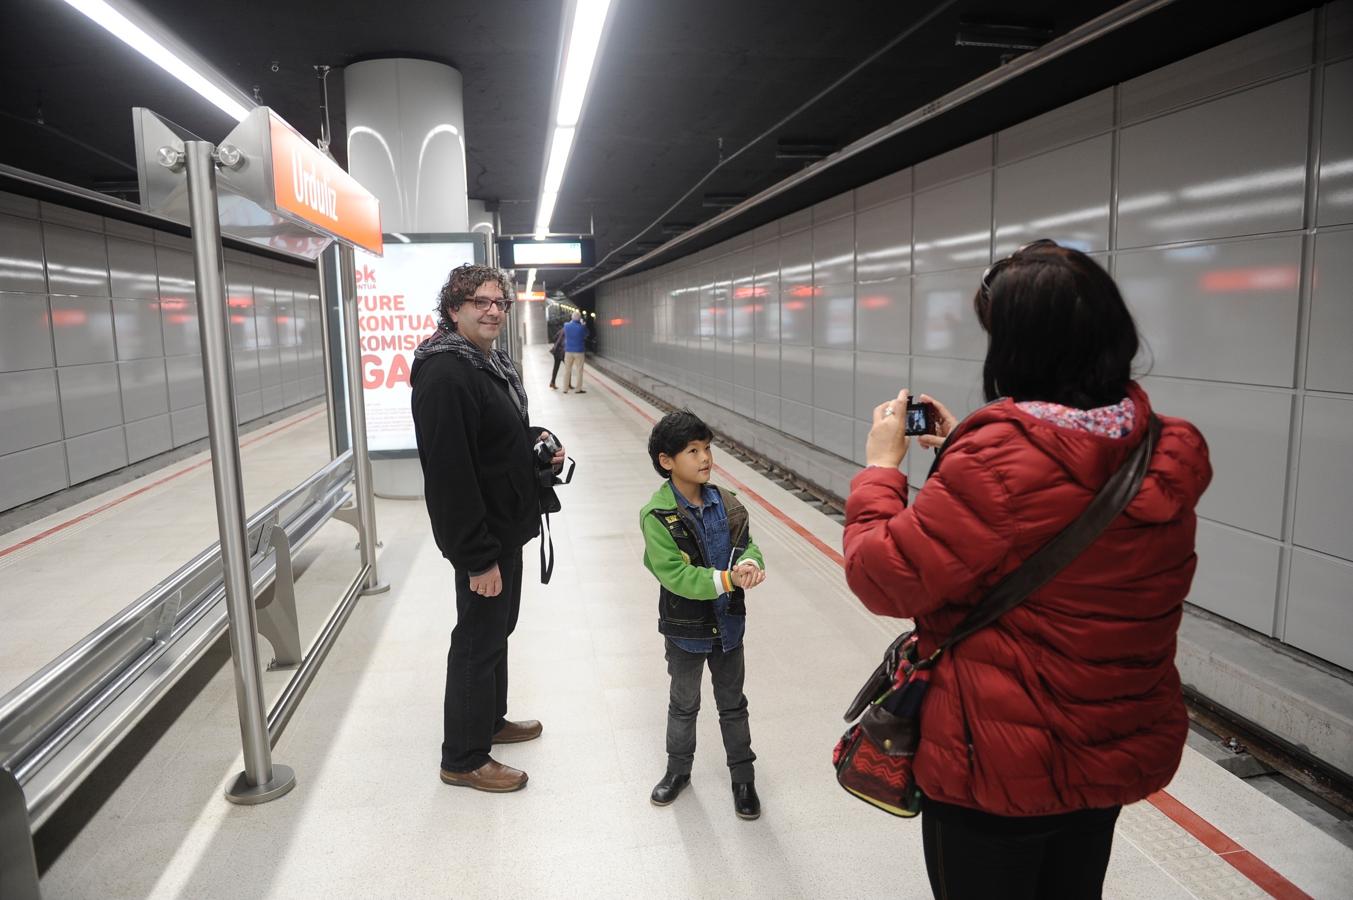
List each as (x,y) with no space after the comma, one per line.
(460,286)
(1059,330)
(671,435)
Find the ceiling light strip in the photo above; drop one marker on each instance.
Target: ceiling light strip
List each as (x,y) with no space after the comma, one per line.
(584,41)
(1083,34)
(138,30)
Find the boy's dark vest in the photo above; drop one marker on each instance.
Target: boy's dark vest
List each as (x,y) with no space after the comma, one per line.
(682,617)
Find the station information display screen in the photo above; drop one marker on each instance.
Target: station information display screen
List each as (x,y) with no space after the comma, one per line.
(397,299)
(547,253)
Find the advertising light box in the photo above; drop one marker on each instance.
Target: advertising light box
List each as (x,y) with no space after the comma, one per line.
(397,300)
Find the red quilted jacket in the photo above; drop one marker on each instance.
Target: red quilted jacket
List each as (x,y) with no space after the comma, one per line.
(1071,700)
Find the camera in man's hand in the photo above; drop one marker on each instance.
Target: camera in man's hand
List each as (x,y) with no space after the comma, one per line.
(545,449)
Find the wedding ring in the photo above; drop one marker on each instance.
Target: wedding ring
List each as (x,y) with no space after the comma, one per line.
(887,411)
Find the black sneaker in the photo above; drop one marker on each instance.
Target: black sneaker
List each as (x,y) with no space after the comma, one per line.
(667,790)
(745,802)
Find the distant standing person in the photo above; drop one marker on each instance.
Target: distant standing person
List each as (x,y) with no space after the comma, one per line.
(575,351)
(557,351)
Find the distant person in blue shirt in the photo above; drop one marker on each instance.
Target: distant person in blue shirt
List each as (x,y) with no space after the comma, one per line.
(575,351)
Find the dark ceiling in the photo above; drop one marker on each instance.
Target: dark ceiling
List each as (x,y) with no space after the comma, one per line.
(674,81)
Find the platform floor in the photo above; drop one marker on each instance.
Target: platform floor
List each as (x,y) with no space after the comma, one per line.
(369,817)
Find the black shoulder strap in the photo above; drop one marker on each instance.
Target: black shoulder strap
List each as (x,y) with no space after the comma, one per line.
(1059,552)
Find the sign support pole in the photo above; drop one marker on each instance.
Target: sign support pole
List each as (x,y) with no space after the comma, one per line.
(361,461)
(261,780)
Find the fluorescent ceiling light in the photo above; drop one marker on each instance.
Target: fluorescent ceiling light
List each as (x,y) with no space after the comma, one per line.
(560,146)
(589,17)
(136,38)
(545,213)
(581,47)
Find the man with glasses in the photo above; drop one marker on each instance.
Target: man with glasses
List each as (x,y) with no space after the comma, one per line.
(479,480)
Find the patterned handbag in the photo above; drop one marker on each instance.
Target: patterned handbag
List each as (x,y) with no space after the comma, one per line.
(873,759)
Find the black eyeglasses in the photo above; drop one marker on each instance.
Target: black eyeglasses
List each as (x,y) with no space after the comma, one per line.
(483,303)
(999,264)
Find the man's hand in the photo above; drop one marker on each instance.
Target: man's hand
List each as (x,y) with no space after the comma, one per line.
(747,575)
(556,461)
(489,584)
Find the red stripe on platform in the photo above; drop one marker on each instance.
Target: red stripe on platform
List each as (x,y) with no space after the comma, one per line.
(13,548)
(1245,862)
(1256,870)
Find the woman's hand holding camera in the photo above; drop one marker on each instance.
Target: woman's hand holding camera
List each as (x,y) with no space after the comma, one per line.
(945,422)
(746,575)
(887,442)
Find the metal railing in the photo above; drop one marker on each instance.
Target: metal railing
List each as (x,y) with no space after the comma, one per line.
(61,722)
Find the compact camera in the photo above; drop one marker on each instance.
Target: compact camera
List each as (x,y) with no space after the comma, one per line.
(545,449)
(921,418)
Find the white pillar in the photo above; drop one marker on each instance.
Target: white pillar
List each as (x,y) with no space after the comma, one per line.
(406,144)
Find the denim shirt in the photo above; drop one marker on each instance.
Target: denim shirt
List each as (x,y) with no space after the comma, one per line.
(711,523)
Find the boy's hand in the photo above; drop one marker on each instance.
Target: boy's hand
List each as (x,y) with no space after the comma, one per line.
(747,575)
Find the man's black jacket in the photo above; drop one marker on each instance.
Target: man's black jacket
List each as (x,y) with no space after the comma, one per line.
(478,470)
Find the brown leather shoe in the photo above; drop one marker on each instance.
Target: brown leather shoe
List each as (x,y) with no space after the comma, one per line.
(493,777)
(516,732)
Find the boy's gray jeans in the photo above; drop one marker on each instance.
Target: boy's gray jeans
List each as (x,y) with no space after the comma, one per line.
(726,673)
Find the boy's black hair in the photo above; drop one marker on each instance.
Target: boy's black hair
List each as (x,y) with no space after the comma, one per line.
(1059,330)
(671,435)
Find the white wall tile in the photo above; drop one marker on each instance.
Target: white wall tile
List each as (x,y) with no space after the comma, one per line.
(1247,431)
(31,474)
(956,163)
(1220,312)
(1063,195)
(1064,125)
(1329,364)
(30,411)
(953,225)
(1237,575)
(1320,607)
(1335,202)
(1324,518)
(1281,48)
(1235,179)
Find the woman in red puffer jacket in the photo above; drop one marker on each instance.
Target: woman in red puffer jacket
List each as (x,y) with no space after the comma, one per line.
(1037,729)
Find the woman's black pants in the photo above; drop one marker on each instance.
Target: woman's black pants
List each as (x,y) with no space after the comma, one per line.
(558,361)
(972,854)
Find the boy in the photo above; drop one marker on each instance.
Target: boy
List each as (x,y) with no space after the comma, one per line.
(697,544)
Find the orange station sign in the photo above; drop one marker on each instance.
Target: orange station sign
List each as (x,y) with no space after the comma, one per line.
(309,186)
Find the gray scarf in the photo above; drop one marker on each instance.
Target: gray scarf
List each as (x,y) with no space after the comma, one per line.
(496,362)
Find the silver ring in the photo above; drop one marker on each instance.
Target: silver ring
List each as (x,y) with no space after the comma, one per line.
(887,411)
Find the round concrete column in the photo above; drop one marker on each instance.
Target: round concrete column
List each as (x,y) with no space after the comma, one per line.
(406,144)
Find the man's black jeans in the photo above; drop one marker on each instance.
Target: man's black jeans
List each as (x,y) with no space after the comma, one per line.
(726,672)
(972,854)
(476,668)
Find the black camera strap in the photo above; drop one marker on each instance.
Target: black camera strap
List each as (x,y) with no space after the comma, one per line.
(547,539)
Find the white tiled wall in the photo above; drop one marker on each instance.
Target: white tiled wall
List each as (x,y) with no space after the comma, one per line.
(100,364)
(1239,283)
